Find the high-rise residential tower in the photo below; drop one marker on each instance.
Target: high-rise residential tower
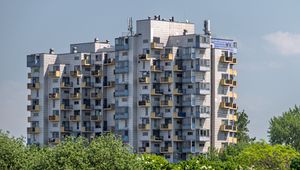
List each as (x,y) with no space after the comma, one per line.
(164,89)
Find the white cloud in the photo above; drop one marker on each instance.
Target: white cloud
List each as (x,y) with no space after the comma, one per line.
(284,42)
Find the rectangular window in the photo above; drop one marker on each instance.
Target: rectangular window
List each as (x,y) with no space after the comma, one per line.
(190,40)
(53,103)
(76,58)
(145,133)
(145,41)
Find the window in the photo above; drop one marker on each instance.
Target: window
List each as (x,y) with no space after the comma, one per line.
(143,64)
(145,133)
(124,53)
(145,87)
(167,63)
(190,86)
(55,125)
(53,103)
(124,99)
(145,41)
(190,133)
(55,80)
(76,58)
(76,102)
(77,81)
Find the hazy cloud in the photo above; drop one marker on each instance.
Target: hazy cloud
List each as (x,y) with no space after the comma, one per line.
(284,42)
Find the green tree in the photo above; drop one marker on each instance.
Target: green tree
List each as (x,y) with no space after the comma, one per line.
(295,164)
(261,155)
(242,127)
(12,152)
(152,162)
(285,129)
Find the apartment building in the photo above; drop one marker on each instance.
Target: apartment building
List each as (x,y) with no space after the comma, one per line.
(164,89)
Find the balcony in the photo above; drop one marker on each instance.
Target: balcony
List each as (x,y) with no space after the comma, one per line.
(96,95)
(230,60)
(65,85)
(166,103)
(144,80)
(66,107)
(109,61)
(177,68)
(86,129)
(228,128)
(144,57)
(108,107)
(54,74)
(75,73)
(168,126)
(97,73)
(66,129)
(74,118)
(177,92)
(33,86)
(230,105)
(156,92)
(109,84)
(29,75)
(33,130)
(156,138)
(29,119)
(232,95)
(86,107)
(155,68)
(156,115)
(228,82)
(75,96)
(29,97)
(53,141)
(85,84)
(179,115)
(144,103)
(232,72)
(33,108)
(232,117)
(123,115)
(144,150)
(178,138)
(54,96)
(232,139)
(96,118)
(53,118)
(144,126)
(168,149)
(85,62)
(167,57)
(166,80)
(158,46)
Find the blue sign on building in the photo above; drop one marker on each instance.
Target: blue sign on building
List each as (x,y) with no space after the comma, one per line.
(225,44)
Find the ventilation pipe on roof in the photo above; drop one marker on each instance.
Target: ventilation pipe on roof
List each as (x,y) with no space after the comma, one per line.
(51,51)
(207,27)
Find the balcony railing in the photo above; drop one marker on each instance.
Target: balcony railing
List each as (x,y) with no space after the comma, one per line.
(53,140)
(232,72)
(228,105)
(156,68)
(168,126)
(179,115)
(85,84)
(54,118)
(177,92)
(54,74)
(33,130)
(168,57)
(86,129)
(33,108)
(33,86)
(96,95)
(97,73)
(108,83)
(144,103)
(66,129)
(109,61)
(233,95)
(166,103)
(166,80)
(232,139)
(86,107)
(96,118)
(74,118)
(66,107)
(144,57)
(156,92)
(158,46)
(178,138)
(177,68)
(54,96)
(156,138)
(119,116)
(144,126)
(75,73)
(156,115)
(230,60)
(145,80)
(144,150)
(75,96)
(109,107)
(65,85)
(166,149)
(228,82)
(86,62)
(228,128)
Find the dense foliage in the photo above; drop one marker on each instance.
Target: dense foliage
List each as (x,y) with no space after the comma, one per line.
(108,152)
(285,129)
(242,127)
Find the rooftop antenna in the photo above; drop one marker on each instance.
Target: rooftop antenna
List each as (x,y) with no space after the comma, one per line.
(130,28)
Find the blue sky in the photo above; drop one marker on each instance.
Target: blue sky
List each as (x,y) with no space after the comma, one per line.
(267,32)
